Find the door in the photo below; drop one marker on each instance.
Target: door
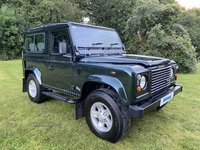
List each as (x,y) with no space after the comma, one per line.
(60,66)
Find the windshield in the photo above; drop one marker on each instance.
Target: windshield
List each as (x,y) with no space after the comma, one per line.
(85,36)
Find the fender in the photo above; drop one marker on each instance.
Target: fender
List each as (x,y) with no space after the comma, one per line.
(37,73)
(113,82)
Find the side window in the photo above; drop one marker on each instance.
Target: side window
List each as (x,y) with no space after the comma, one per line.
(30,44)
(60,36)
(39,41)
(35,43)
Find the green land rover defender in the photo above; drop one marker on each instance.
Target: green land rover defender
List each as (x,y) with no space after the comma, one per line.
(88,66)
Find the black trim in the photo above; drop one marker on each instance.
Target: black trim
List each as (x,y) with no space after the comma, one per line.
(36,28)
(66,92)
(145,90)
(59,97)
(139,111)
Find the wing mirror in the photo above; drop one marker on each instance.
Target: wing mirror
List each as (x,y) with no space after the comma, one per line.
(62,48)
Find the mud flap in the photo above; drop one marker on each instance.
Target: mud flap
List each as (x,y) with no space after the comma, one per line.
(79,106)
(24,88)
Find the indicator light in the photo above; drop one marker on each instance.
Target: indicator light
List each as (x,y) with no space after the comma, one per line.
(112,72)
(138,88)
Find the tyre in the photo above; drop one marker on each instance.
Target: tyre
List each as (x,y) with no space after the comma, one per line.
(106,116)
(34,89)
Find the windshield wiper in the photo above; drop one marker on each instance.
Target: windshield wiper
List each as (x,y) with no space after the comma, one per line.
(95,44)
(114,44)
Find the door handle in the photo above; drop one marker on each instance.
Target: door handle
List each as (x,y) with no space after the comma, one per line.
(51,67)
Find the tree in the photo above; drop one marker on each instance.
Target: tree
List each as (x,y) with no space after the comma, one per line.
(3,2)
(25,9)
(151,30)
(55,11)
(36,12)
(146,15)
(17,15)
(175,45)
(167,2)
(82,4)
(190,19)
(113,14)
(11,28)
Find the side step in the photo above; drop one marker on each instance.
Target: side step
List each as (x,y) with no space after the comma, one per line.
(59,97)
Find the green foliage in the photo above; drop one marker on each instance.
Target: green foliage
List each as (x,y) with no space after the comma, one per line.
(147,14)
(11,28)
(17,15)
(175,46)
(25,8)
(55,11)
(36,12)
(113,14)
(39,12)
(82,4)
(190,19)
(151,31)
(2,2)
(167,2)
(145,18)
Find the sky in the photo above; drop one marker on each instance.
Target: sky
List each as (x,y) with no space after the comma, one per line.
(189,3)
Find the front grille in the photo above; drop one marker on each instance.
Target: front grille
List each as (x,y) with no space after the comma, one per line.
(160,79)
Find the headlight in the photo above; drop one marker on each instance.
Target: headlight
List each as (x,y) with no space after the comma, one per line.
(171,73)
(143,82)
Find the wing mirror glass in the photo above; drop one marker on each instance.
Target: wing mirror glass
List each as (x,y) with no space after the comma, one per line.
(62,48)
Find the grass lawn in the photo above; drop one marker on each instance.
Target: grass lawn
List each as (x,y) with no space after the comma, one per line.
(52,124)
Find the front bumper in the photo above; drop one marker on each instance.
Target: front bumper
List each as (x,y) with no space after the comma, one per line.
(139,111)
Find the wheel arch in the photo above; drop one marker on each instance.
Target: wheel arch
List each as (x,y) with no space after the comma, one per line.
(36,71)
(102,81)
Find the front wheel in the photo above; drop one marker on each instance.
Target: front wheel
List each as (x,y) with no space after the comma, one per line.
(34,89)
(106,116)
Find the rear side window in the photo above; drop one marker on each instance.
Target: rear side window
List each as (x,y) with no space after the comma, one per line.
(35,43)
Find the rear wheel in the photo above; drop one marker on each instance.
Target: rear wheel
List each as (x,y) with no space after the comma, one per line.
(34,89)
(106,116)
